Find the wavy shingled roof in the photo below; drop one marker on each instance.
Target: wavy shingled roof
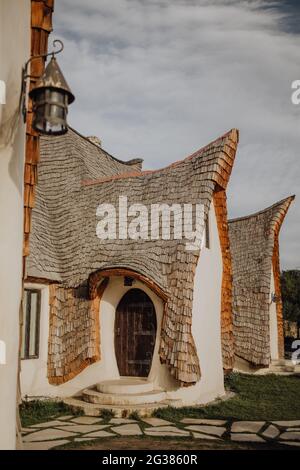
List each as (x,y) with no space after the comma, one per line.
(255,252)
(74,177)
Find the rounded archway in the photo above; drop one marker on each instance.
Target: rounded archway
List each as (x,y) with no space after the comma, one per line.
(135,333)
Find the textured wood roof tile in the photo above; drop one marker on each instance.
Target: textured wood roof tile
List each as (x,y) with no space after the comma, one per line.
(74,176)
(254,248)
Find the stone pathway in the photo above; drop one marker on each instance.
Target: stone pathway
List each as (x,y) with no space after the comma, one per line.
(67,429)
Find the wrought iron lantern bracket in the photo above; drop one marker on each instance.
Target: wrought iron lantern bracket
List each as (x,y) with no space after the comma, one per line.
(26,75)
(50,96)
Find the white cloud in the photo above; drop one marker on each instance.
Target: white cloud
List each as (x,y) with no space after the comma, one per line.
(159,79)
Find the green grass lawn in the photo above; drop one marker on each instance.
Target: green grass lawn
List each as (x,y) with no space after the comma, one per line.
(37,411)
(268,398)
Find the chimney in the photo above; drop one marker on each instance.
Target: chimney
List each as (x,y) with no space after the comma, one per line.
(95,140)
(136,162)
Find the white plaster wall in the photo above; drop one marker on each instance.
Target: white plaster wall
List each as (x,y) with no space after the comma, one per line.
(14,51)
(241,365)
(34,371)
(206,330)
(34,382)
(206,326)
(273,323)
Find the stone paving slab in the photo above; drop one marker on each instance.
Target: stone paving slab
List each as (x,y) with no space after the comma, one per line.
(24,430)
(47,435)
(45,445)
(156,421)
(272,432)
(86,420)
(198,435)
(212,422)
(83,428)
(214,430)
(246,438)
(85,439)
(127,430)
(99,434)
(290,436)
(290,443)
(50,424)
(122,421)
(247,426)
(166,431)
(69,428)
(287,424)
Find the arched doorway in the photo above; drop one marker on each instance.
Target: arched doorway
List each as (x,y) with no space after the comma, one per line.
(135,333)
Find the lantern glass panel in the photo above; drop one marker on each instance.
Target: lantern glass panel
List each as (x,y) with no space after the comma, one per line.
(51,107)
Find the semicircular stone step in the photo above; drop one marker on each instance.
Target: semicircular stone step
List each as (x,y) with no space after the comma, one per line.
(93,396)
(126,385)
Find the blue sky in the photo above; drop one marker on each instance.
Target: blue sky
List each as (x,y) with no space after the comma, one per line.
(158,79)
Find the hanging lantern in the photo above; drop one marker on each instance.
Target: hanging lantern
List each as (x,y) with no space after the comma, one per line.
(51,97)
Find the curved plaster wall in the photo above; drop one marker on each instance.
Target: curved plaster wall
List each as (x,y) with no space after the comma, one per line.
(14,51)
(206,330)
(206,326)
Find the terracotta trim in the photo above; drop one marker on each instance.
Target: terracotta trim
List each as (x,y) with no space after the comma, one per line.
(95,308)
(279,306)
(41,26)
(220,205)
(39,280)
(232,135)
(106,273)
(276,273)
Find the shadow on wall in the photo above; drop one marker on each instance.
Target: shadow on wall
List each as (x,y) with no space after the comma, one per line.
(11,131)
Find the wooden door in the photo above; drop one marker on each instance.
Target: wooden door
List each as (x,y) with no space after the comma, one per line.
(135,334)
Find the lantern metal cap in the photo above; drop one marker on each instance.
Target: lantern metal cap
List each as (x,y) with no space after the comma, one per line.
(53,78)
